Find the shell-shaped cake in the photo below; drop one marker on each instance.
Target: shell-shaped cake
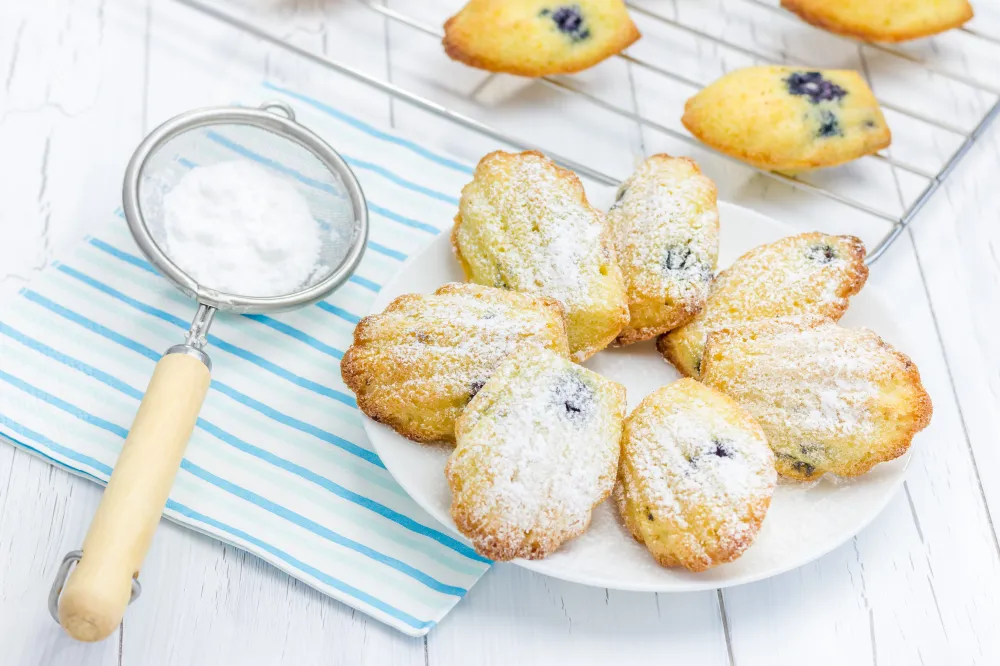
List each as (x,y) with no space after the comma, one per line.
(538,37)
(665,224)
(537,449)
(829,398)
(789,119)
(416,365)
(696,476)
(524,224)
(811,273)
(882,20)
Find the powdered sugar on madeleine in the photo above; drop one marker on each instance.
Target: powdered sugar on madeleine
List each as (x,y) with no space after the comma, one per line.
(696,476)
(665,224)
(831,399)
(811,273)
(524,224)
(537,450)
(416,365)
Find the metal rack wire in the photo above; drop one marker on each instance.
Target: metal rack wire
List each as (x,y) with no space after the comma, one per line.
(898,222)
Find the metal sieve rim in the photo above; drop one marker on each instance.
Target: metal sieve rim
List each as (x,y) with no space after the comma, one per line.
(267,117)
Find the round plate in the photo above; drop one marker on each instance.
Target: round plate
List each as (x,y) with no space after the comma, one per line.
(805,521)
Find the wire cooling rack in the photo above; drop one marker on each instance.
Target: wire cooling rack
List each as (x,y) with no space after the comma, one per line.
(932,180)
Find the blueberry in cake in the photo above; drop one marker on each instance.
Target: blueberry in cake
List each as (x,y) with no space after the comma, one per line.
(814,86)
(569,21)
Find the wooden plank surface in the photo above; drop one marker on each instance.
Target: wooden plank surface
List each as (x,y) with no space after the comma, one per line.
(84,80)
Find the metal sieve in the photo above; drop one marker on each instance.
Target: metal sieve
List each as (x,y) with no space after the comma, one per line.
(89,600)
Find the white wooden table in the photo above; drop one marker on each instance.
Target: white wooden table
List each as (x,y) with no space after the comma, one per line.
(83,80)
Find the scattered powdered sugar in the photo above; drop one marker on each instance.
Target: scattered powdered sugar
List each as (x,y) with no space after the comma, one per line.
(838,404)
(537,450)
(238,228)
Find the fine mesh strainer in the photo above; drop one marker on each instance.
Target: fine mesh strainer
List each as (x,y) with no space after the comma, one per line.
(91,602)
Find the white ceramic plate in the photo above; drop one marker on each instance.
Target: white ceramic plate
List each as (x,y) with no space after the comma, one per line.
(805,521)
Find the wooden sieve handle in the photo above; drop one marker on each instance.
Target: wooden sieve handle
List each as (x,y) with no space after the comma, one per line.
(94,598)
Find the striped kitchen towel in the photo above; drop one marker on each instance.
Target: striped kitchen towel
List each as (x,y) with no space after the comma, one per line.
(279,463)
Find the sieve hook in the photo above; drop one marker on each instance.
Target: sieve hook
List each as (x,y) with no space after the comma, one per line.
(273,106)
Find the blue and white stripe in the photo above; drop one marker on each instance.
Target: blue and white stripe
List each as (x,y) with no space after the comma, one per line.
(278,463)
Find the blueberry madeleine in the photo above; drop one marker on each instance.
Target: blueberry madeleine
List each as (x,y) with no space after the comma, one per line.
(416,365)
(538,37)
(696,476)
(537,449)
(665,223)
(787,119)
(810,273)
(830,399)
(524,224)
